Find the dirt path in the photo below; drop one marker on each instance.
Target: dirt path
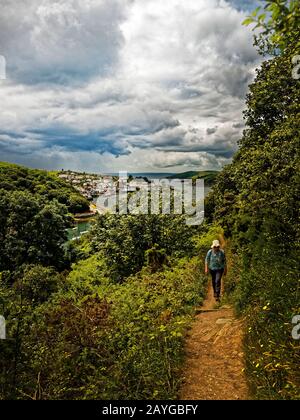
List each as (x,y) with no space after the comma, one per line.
(214,357)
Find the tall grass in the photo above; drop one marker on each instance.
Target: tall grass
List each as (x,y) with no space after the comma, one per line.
(265,290)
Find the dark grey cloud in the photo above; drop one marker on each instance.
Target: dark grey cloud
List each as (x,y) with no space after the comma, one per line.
(225,150)
(238,125)
(210,131)
(60,42)
(100,142)
(148,82)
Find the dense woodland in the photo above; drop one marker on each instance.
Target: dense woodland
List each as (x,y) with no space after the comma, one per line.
(105,316)
(42,185)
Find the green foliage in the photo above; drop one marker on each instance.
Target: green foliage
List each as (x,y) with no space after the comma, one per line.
(208,176)
(87,274)
(34,217)
(84,334)
(279,23)
(124,240)
(204,241)
(156,258)
(41,183)
(255,199)
(256,196)
(221,200)
(76,203)
(31,231)
(37,283)
(97,340)
(268,294)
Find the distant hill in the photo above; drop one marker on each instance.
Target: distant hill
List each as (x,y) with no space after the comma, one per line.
(152,175)
(41,183)
(208,176)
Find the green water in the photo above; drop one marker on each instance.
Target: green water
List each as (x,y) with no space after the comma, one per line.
(78,230)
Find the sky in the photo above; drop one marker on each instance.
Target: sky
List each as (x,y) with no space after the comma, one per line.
(134,85)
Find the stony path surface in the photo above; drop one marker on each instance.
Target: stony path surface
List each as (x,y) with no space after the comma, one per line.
(214,357)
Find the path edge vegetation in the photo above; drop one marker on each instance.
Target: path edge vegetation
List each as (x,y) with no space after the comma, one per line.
(255,199)
(111,325)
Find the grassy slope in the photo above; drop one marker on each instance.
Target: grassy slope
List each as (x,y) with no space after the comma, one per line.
(39,182)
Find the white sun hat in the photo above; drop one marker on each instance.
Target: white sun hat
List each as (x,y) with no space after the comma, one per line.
(215,243)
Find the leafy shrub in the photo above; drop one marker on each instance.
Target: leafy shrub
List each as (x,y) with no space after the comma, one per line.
(255,199)
(265,291)
(98,340)
(124,240)
(37,283)
(31,231)
(203,242)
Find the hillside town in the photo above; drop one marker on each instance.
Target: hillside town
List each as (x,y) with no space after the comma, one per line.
(92,186)
(89,185)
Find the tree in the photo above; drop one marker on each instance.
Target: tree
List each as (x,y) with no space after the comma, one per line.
(256,201)
(125,239)
(37,283)
(32,231)
(279,24)
(257,193)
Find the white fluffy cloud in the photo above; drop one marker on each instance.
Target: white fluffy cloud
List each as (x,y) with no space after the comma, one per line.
(60,41)
(120,84)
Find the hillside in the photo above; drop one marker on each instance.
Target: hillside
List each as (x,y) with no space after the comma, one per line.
(208,176)
(42,184)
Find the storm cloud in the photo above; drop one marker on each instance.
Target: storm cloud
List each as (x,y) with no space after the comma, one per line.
(120,84)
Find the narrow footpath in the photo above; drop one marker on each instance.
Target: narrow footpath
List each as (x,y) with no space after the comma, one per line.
(214,362)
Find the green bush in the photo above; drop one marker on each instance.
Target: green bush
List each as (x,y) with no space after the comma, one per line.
(124,240)
(203,242)
(31,231)
(255,199)
(265,291)
(99,340)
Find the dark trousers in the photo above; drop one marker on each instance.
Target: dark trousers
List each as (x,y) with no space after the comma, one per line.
(216,277)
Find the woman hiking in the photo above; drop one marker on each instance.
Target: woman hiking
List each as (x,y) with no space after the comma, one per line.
(215,263)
